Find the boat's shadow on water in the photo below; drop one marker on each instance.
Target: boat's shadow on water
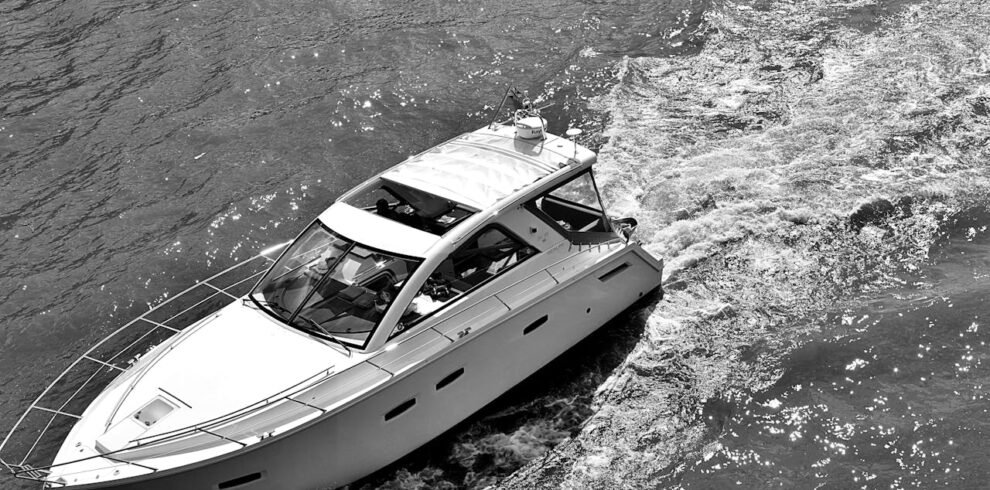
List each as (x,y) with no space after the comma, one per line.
(528,420)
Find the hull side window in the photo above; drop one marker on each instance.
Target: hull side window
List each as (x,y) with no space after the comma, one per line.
(400,409)
(489,253)
(575,210)
(239,481)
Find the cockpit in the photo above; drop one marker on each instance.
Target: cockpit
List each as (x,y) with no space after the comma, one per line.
(333,287)
(409,206)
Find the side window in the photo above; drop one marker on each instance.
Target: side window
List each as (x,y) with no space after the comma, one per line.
(575,208)
(486,255)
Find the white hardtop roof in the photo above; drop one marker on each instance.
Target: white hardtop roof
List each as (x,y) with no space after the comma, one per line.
(377,232)
(480,168)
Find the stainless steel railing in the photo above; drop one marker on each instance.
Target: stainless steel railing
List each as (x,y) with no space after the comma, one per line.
(29,447)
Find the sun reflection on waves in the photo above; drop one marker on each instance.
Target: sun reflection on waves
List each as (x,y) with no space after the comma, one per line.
(901,404)
(744,165)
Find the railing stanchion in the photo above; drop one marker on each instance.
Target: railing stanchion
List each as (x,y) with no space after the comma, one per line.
(30,472)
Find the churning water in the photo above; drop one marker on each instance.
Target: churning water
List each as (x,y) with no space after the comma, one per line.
(144,146)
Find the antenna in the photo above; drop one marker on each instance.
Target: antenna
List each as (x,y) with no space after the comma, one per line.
(499,109)
(572,133)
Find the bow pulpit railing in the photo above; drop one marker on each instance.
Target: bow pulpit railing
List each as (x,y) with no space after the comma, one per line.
(31,444)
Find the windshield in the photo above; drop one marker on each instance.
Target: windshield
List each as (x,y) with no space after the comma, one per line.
(331,286)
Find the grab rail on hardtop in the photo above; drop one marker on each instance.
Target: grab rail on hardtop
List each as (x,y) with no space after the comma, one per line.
(33,471)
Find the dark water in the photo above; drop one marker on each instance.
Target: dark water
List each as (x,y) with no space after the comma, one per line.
(147,145)
(891,393)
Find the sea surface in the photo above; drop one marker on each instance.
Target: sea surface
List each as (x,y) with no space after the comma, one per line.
(146,145)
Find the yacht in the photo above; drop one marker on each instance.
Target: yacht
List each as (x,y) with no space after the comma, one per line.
(414,300)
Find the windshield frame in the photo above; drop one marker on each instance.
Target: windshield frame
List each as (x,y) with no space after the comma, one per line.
(473,238)
(293,320)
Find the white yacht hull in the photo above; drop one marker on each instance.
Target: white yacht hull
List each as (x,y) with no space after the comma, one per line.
(356,440)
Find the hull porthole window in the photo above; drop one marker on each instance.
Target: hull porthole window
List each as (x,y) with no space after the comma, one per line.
(395,412)
(450,378)
(533,326)
(239,481)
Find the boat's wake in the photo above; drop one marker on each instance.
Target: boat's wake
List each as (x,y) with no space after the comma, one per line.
(798,164)
(770,170)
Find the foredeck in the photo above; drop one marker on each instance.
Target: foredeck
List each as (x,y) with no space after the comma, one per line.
(29,448)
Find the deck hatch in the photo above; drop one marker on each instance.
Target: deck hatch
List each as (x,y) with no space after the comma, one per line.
(153,412)
(450,378)
(395,412)
(132,427)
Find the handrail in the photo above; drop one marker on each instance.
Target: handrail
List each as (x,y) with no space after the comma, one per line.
(286,394)
(111,361)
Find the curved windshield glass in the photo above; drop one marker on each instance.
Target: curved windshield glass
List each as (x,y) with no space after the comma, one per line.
(331,286)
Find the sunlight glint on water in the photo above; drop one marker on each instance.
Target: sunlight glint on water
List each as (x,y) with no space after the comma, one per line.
(146,147)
